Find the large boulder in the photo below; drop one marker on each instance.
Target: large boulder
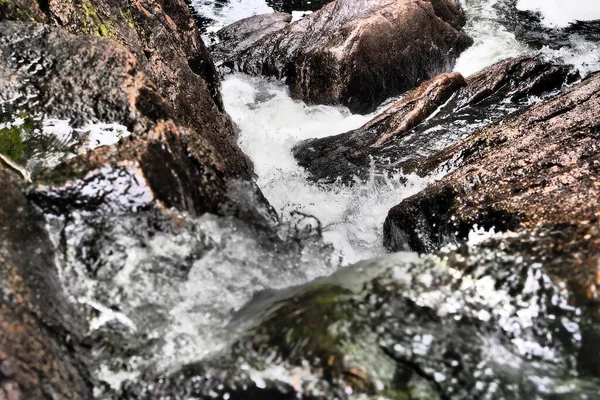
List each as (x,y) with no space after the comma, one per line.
(537,171)
(57,84)
(335,55)
(163,38)
(438,113)
(39,330)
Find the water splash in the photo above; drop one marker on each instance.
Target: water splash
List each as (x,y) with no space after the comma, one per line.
(556,14)
(271,123)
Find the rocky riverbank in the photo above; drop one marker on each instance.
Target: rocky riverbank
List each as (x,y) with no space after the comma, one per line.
(139,259)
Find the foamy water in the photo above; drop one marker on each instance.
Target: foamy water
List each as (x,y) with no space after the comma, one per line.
(561,13)
(271,123)
(494,42)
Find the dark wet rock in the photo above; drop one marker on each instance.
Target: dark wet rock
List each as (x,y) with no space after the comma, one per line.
(334,56)
(463,324)
(536,171)
(288,6)
(163,38)
(528,28)
(39,329)
(401,146)
(49,72)
(241,35)
(414,108)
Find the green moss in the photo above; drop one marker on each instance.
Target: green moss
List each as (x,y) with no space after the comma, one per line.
(129,18)
(11,142)
(16,11)
(94,22)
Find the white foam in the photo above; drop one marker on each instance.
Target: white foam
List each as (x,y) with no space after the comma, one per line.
(494,43)
(561,13)
(229,13)
(271,124)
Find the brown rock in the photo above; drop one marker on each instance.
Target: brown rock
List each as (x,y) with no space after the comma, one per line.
(38,328)
(415,107)
(162,36)
(534,172)
(335,55)
(57,82)
(408,133)
(240,36)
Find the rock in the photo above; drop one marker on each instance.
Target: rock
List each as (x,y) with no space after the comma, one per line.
(154,174)
(240,36)
(288,6)
(334,56)
(321,156)
(40,331)
(406,142)
(534,171)
(49,72)
(528,28)
(163,38)
(397,327)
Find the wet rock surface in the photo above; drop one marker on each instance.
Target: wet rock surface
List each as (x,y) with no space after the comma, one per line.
(40,331)
(240,36)
(462,324)
(334,56)
(118,137)
(534,171)
(49,78)
(163,38)
(419,125)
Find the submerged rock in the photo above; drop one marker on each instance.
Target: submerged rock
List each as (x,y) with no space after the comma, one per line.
(483,322)
(334,56)
(40,332)
(534,171)
(438,113)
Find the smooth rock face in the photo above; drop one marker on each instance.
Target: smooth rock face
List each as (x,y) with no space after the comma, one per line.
(163,38)
(537,171)
(241,35)
(39,329)
(401,138)
(335,55)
